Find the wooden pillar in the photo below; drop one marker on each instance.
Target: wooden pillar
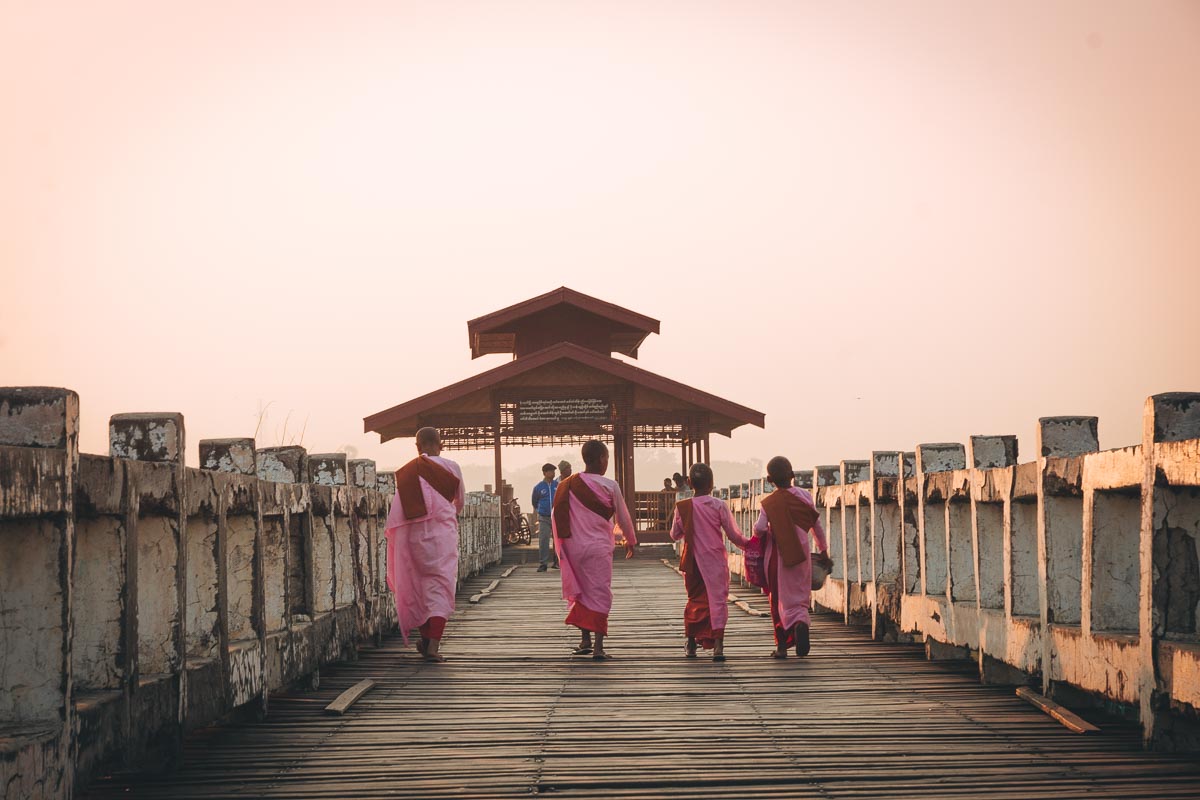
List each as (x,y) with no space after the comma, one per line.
(496,446)
(626,481)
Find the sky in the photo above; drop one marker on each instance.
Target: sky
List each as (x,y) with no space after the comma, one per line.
(878,223)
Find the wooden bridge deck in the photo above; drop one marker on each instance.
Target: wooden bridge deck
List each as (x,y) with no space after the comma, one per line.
(512,715)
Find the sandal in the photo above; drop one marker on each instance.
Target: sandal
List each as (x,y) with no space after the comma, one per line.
(601,657)
(581,651)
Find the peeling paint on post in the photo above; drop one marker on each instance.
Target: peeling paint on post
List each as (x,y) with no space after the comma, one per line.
(327,469)
(228,455)
(283,464)
(362,473)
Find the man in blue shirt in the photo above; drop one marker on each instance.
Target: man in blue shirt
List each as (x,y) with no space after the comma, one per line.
(543,502)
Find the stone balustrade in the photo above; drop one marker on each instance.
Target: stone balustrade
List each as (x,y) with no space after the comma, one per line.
(143,598)
(1077,573)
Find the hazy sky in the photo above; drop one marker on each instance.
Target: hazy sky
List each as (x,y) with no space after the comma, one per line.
(932,218)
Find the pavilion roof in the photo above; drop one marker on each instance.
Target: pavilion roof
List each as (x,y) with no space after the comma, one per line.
(556,316)
(564,365)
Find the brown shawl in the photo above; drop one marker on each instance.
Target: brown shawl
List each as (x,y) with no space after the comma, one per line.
(786,512)
(576,486)
(408,485)
(687,561)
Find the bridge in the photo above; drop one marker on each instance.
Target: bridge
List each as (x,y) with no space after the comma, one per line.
(172,631)
(513,715)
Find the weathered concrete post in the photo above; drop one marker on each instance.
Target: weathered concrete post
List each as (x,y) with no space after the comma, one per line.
(283,475)
(1169,549)
(826,493)
(886,545)
(249,570)
(39,465)
(363,511)
(152,444)
(910,530)
(1061,443)
(991,459)
(858,546)
(386,481)
(933,493)
(937,465)
(327,472)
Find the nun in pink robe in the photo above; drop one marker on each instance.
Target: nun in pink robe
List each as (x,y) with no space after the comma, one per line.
(706,554)
(586,557)
(422,557)
(790,588)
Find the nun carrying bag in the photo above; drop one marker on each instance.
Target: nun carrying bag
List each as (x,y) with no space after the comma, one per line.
(755,567)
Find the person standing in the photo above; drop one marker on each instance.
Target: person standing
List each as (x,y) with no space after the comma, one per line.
(543,502)
(788,515)
(585,507)
(564,470)
(422,539)
(699,521)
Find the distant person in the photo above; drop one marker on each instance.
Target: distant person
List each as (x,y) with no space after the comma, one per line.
(668,486)
(584,509)
(682,490)
(422,539)
(698,522)
(543,502)
(788,515)
(564,470)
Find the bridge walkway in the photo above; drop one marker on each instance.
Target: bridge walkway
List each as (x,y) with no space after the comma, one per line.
(512,714)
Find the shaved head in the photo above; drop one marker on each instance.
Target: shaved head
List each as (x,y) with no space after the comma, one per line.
(429,441)
(594,453)
(779,470)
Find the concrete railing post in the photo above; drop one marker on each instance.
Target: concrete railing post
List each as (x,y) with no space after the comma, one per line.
(1061,441)
(327,472)
(152,444)
(1169,549)
(991,459)
(283,476)
(886,545)
(39,465)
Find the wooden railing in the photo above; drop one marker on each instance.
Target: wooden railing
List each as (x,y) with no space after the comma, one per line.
(652,513)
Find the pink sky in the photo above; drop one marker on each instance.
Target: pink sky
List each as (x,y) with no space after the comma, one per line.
(960,216)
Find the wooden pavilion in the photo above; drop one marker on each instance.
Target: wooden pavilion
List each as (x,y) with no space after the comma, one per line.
(564,387)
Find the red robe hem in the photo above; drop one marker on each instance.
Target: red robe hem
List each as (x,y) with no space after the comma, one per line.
(583,617)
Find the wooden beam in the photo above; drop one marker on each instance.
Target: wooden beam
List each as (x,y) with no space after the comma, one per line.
(1070,720)
(349,697)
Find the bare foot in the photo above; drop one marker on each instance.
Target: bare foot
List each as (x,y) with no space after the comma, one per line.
(431,652)
(422,645)
(802,643)
(779,652)
(689,649)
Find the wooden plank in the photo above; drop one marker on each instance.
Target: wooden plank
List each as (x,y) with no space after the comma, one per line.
(1070,720)
(475,598)
(349,697)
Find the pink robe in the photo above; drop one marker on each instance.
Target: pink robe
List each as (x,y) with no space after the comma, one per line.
(793,585)
(586,559)
(422,555)
(709,516)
